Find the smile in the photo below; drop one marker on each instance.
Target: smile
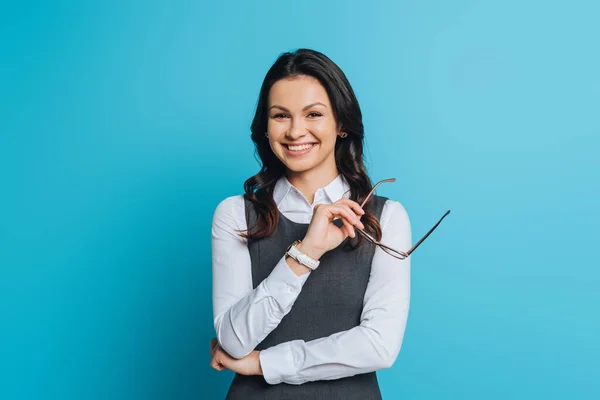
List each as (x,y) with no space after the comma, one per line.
(299,149)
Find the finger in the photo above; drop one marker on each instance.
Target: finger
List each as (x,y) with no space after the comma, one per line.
(222,360)
(342,211)
(348,227)
(347,213)
(349,232)
(351,221)
(353,205)
(219,360)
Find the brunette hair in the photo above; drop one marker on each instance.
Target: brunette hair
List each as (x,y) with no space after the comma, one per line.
(348,151)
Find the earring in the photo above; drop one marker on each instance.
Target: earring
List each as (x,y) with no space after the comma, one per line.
(266,134)
(343,135)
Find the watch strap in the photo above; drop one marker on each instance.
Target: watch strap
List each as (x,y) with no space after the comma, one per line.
(302,258)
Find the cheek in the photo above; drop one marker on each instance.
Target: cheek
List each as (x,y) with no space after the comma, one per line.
(325,130)
(275,132)
(276,128)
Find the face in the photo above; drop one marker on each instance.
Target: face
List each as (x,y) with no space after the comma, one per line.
(302,129)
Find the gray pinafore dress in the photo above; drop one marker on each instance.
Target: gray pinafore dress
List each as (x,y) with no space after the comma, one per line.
(331,301)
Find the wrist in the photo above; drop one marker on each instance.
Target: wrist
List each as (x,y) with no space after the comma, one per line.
(258,370)
(310,250)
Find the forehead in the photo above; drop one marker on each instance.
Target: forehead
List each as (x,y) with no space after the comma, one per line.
(297,91)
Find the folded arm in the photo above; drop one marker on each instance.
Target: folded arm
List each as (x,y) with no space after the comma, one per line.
(372,345)
(244,316)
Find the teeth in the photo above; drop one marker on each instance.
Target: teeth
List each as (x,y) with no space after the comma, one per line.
(302,147)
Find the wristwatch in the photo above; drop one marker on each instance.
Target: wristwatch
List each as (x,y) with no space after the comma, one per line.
(302,258)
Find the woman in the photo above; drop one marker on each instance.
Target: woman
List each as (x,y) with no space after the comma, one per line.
(304,307)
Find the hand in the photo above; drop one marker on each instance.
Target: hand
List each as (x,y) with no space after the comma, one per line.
(323,235)
(249,365)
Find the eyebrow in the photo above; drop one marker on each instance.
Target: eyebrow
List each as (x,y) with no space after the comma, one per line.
(317,103)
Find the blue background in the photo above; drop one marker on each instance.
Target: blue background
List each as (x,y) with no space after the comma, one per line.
(123,124)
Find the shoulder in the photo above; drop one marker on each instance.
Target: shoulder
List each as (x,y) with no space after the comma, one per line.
(230,212)
(229,203)
(395,214)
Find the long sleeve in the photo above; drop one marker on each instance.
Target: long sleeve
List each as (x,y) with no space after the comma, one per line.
(372,345)
(244,316)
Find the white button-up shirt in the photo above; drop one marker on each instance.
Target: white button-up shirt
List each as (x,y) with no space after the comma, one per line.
(244,316)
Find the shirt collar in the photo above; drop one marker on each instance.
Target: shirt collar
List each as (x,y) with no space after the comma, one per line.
(281,190)
(335,190)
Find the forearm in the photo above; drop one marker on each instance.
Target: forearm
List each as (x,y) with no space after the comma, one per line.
(359,350)
(376,342)
(242,326)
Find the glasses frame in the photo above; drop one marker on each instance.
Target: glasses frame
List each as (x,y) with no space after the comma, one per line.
(401,255)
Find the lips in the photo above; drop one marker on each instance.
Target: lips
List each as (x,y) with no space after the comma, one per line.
(299,149)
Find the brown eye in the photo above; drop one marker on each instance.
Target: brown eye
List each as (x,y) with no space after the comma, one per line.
(280,115)
(314,115)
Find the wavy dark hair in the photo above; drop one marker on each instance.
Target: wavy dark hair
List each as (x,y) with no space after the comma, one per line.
(348,151)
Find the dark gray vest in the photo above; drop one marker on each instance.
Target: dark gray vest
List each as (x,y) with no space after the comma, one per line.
(331,301)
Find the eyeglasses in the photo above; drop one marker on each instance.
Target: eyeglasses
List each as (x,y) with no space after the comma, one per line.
(393,252)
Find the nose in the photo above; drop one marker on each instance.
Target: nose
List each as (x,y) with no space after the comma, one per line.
(296,131)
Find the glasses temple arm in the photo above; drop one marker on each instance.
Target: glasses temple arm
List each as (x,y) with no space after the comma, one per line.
(427,234)
(373,190)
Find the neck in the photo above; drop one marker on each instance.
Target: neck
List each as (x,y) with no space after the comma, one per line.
(307,182)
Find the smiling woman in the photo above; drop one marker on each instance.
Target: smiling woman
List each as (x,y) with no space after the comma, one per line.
(303,307)
(309,128)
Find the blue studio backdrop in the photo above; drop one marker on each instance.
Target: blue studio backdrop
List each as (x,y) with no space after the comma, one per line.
(124,124)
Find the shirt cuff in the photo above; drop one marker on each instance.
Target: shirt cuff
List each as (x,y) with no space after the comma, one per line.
(277,363)
(283,284)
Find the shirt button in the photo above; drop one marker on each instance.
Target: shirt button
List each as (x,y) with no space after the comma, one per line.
(291,289)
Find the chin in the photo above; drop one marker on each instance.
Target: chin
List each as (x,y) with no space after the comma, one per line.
(299,167)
